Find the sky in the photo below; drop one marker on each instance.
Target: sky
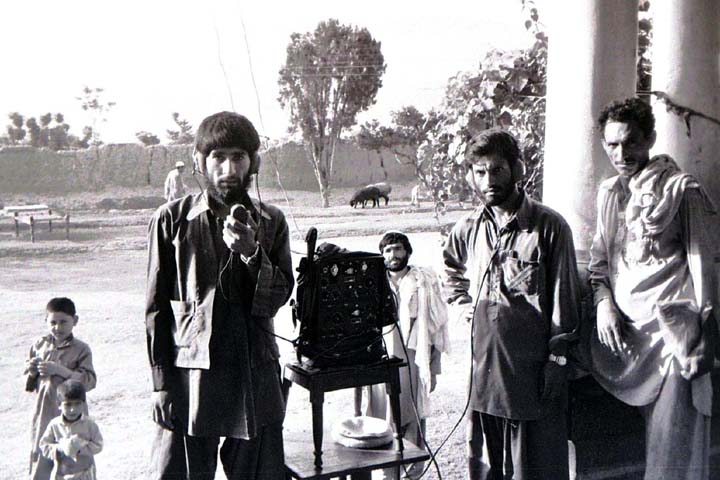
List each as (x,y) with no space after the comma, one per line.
(155,57)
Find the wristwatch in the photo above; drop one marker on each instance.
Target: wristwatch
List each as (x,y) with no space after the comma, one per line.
(559,359)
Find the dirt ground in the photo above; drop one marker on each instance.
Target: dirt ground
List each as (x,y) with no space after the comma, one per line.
(102,269)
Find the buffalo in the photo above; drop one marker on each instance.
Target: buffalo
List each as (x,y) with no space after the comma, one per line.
(367,194)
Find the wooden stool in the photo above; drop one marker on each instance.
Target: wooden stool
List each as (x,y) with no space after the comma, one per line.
(320,380)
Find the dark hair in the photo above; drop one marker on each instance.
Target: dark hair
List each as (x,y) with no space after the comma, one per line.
(494,141)
(631,109)
(395,237)
(71,390)
(61,305)
(224,130)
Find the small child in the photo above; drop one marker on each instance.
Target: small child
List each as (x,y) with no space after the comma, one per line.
(72,439)
(53,359)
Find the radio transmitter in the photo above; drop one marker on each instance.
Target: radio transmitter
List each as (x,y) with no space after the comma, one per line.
(343,302)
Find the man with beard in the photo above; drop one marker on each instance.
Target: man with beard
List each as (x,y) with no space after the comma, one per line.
(653,277)
(523,307)
(419,338)
(219,269)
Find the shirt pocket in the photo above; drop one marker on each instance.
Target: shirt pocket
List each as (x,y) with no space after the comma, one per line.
(523,277)
(187,322)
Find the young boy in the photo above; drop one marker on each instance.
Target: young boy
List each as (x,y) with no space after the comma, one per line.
(72,439)
(53,359)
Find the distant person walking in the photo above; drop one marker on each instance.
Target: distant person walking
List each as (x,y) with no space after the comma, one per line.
(174,185)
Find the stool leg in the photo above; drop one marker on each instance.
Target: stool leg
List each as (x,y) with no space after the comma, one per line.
(317,400)
(358,401)
(285,389)
(394,391)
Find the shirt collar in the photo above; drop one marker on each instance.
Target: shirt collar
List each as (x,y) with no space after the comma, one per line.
(65,343)
(524,215)
(201,205)
(74,422)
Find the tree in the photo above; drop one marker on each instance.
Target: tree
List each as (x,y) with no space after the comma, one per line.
(92,102)
(15,130)
(508,90)
(59,134)
(46,131)
(644,62)
(330,75)
(184,134)
(147,138)
(34,132)
(81,142)
(409,130)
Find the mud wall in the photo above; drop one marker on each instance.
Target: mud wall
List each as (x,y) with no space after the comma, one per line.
(27,169)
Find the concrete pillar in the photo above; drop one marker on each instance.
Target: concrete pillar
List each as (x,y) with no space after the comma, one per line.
(591,62)
(686,45)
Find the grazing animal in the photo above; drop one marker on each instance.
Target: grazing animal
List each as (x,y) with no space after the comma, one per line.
(367,194)
(384,188)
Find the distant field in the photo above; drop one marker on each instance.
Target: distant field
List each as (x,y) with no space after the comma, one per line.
(102,268)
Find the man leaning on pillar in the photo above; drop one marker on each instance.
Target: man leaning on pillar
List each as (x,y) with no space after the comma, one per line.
(653,279)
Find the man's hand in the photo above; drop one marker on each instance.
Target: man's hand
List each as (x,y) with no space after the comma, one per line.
(162,409)
(554,380)
(50,368)
(239,232)
(609,326)
(699,361)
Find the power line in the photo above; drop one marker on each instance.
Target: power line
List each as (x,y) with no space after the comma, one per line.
(262,124)
(222,65)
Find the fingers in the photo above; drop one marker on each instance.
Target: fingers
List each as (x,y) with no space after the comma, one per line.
(240,220)
(44,368)
(615,341)
(162,415)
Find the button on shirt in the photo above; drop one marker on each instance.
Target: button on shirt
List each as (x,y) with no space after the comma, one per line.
(523,279)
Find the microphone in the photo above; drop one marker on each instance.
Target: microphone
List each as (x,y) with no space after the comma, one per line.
(240,213)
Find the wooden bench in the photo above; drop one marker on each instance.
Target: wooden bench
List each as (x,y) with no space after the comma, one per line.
(31,215)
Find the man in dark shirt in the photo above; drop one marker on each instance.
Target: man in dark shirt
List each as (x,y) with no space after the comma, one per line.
(215,281)
(510,265)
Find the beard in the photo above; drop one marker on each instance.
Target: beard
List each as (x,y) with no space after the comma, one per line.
(397,264)
(229,196)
